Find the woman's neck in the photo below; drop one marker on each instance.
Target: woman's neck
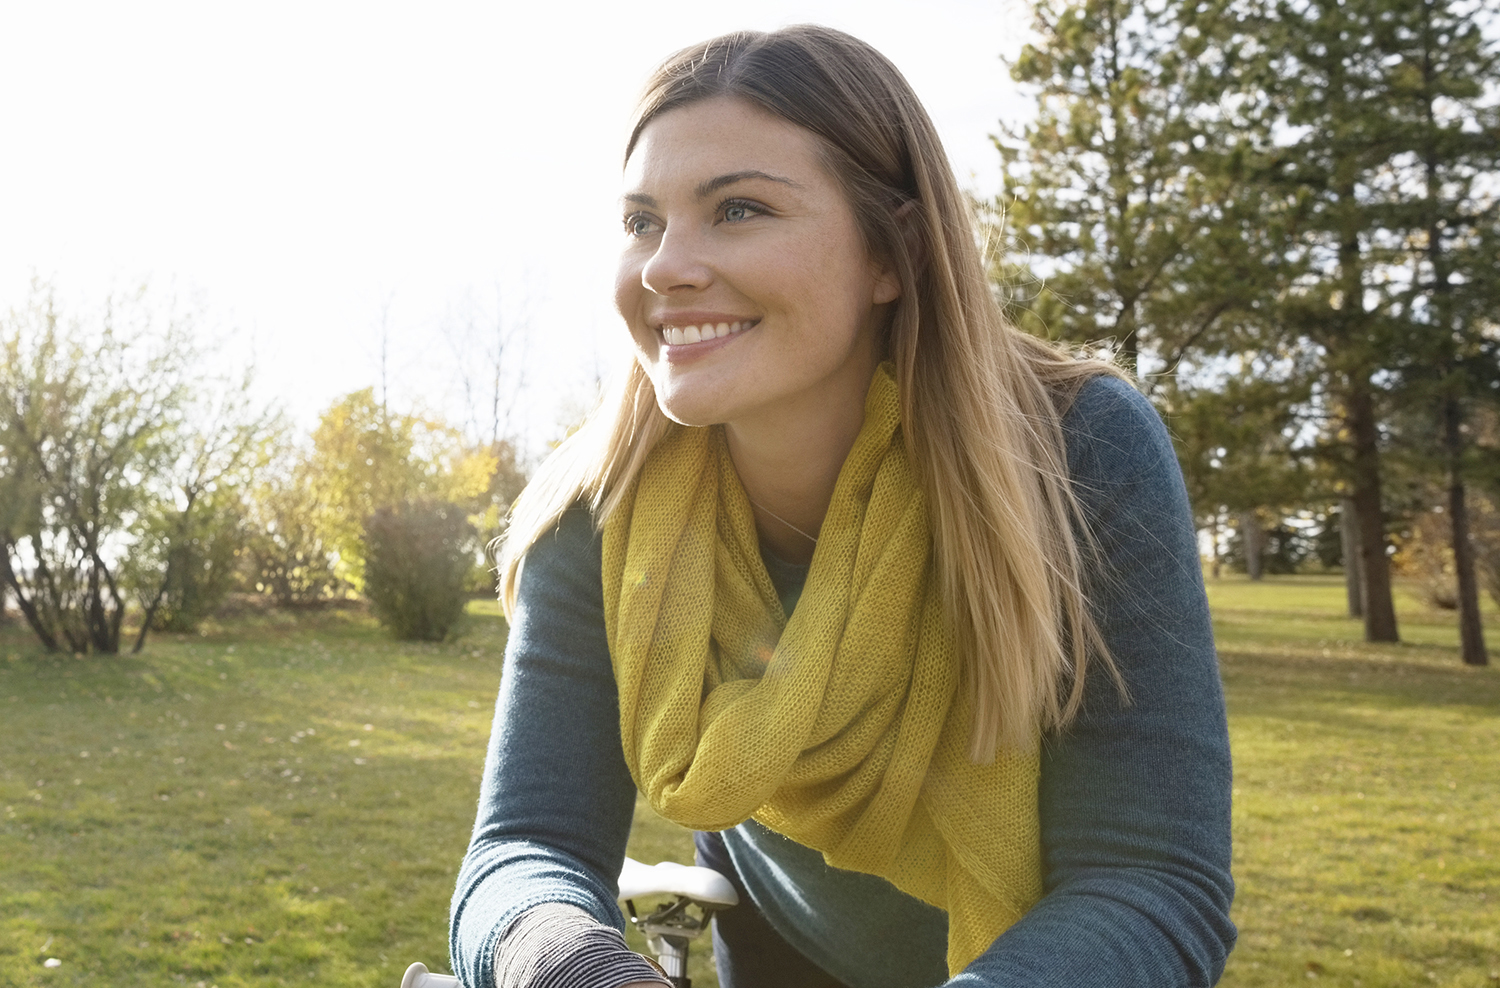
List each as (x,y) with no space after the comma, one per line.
(789,463)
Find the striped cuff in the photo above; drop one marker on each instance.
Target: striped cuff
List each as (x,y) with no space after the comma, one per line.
(560,946)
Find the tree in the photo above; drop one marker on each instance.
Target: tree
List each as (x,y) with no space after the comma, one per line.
(122,466)
(1124,192)
(1446,210)
(1378,143)
(194,532)
(287,552)
(365,458)
(88,418)
(1236,439)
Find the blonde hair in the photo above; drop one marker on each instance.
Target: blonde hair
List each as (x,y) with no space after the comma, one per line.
(982,403)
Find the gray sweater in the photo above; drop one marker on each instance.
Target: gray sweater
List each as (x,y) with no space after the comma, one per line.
(1134,797)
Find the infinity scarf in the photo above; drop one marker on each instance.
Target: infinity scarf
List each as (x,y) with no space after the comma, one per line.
(843,728)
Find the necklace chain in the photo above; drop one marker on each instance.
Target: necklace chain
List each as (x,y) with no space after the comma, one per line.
(811,538)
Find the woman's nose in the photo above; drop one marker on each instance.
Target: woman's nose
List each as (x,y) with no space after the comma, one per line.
(679,264)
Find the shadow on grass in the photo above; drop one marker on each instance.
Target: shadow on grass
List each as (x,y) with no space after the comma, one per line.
(1316,682)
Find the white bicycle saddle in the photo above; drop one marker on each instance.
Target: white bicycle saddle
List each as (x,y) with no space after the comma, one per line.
(702,885)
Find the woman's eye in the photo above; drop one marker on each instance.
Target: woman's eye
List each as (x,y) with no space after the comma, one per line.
(738,212)
(638,225)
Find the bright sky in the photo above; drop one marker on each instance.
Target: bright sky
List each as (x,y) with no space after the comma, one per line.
(308,173)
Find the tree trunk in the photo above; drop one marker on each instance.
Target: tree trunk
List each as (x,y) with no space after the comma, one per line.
(1380,610)
(1253,538)
(150,615)
(1470,629)
(1354,574)
(28,607)
(1216,564)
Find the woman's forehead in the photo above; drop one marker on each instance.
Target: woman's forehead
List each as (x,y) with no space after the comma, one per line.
(709,139)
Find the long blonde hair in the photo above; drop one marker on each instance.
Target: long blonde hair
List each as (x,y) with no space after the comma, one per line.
(982,403)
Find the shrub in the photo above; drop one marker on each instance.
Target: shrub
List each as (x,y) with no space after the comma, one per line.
(418,557)
(1426,551)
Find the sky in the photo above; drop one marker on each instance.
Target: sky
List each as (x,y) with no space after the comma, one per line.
(355,195)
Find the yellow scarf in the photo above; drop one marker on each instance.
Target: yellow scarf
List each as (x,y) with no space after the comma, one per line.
(844,728)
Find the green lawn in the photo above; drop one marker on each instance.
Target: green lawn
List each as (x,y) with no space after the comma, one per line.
(284,800)
(1367,784)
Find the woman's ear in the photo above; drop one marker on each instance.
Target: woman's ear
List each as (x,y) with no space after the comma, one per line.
(908,220)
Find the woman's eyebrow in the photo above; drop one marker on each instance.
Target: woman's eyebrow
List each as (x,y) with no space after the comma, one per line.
(712,185)
(708,187)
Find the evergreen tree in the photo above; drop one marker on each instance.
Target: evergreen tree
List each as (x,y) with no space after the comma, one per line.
(1444,207)
(1123,192)
(1361,170)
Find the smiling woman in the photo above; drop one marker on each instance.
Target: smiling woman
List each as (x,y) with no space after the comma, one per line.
(897,607)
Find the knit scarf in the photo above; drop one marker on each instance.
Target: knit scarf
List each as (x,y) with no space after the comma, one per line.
(843,728)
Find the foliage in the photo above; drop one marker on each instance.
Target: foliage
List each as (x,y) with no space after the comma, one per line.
(1425,551)
(286,554)
(193,534)
(1297,189)
(1372,119)
(89,421)
(1235,438)
(418,557)
(189,561)
(365,458)
(1125,190)
(124,471)
(305,543)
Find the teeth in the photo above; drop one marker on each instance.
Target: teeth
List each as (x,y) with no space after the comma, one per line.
(682,335)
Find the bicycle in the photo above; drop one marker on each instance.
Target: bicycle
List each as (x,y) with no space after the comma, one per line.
(669,929)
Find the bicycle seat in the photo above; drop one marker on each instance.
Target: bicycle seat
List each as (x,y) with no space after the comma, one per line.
(702,885)
(417,976)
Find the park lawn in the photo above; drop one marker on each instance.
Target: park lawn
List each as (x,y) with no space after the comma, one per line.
(281,800)
(1367,792)
(277,850)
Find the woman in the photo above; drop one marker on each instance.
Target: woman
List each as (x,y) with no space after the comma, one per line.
(898,607)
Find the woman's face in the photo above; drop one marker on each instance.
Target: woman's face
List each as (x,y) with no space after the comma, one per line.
(744,280)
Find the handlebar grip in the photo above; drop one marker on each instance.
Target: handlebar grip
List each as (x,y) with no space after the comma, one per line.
(417,976)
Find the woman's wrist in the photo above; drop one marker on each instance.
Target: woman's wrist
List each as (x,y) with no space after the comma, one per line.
(555,945)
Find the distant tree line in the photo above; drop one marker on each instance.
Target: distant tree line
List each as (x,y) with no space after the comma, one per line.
(1285,216)
(137,488)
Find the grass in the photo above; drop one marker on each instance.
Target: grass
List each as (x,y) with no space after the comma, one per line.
(285,800)
(276,802)
(1367,788)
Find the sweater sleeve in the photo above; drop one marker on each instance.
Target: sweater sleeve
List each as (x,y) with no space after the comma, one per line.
(556,801)
(1135,797)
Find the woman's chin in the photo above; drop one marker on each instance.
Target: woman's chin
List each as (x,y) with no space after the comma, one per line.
(688,412)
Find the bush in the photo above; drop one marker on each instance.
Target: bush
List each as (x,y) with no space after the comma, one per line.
(1426,551)
(418,557)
